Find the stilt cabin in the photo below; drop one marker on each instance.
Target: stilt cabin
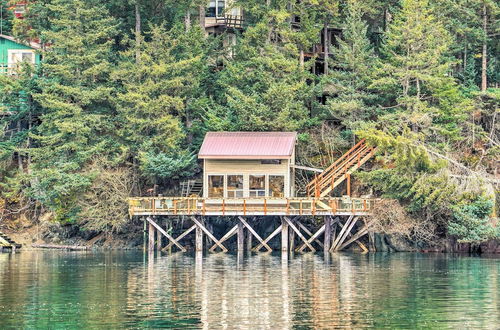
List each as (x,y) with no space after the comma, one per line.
(250,175)
(253,173)
(248,164)
(14,53)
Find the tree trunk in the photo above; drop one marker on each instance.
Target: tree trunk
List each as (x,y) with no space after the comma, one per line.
(187,19)
(484,78)
(201,13)
(19,159)
(137,31)
(301,58)
(325,48)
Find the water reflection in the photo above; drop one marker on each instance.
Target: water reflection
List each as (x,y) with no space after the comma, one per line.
(75,289)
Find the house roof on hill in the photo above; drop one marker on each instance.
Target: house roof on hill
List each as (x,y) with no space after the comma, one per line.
(32,44)
(248,145)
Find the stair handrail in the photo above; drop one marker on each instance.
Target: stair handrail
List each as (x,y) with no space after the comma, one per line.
(333,165)
(347,163)
(339,174)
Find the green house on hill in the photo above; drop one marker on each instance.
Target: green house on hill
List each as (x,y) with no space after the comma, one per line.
(13,53)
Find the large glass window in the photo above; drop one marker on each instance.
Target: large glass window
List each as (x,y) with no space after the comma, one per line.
(276,186)
(216,186)
(234,186)
(215,8)
(257,185)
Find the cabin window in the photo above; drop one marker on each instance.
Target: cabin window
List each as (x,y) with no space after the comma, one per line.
(271,161)
(276,186)
(257,185)
(216,186)
(215,8)
(234,186)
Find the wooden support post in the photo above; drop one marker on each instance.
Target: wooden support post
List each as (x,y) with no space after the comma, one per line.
(257,236)
(241,236)
(158,240)
(348,176)
(363,231)
(249,241)
(336,242)
(164,233)
(345,234)
(209,234)
(299,234)
(151,237)
(291,241)
(198,239)
(328,234)
(181,236)
(284,236)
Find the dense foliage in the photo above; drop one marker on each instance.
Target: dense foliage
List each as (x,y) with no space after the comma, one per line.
(127,89)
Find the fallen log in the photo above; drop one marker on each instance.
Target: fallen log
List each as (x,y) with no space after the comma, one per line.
(60,247)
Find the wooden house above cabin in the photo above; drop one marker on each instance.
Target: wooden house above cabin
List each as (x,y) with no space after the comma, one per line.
(13,53)
(248,164)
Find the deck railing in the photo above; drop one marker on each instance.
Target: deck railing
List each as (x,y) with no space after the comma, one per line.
(248,206)
(232,21)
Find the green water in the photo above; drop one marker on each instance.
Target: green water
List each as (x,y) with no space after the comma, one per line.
(68,290)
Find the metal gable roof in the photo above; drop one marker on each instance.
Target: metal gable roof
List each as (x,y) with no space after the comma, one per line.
(248,145)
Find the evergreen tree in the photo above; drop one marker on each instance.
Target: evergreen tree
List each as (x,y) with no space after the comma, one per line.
(77,98)
(354,58)
(161,100)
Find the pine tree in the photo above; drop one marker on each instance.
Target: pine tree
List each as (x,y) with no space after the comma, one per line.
(77,99)
(354,58)
(160,100)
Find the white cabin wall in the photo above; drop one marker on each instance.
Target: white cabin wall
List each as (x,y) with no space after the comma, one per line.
(245,167)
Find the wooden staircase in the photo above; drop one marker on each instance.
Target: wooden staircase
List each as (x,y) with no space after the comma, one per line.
(7,243)
(191,188)
(340,170)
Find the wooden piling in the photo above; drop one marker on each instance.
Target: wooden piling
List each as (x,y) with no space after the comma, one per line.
(158,240)
(249,241)
(241,236)
(198,239)
(328,234)
(151,237)
(284,235)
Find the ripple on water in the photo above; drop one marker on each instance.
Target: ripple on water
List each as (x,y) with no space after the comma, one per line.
(46,289)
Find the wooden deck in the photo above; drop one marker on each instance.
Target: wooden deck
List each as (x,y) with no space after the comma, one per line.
(175,206)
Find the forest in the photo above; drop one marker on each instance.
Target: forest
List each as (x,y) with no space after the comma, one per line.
(127,89)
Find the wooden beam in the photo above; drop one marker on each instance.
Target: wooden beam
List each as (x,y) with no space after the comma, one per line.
(363,231)
(308,232)
(346,233)
(249,241)
(227,236)
(209,234)
(299,234)
(254,233)
(328,234)
(164,233)
(151,237)
(178,238)
(312,238)
(361,245)
(241,237)
(305,168)
(198,239)
(332,248)
(274,233)
(284,236)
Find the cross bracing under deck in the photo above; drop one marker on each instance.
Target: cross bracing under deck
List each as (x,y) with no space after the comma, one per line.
(172,206)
